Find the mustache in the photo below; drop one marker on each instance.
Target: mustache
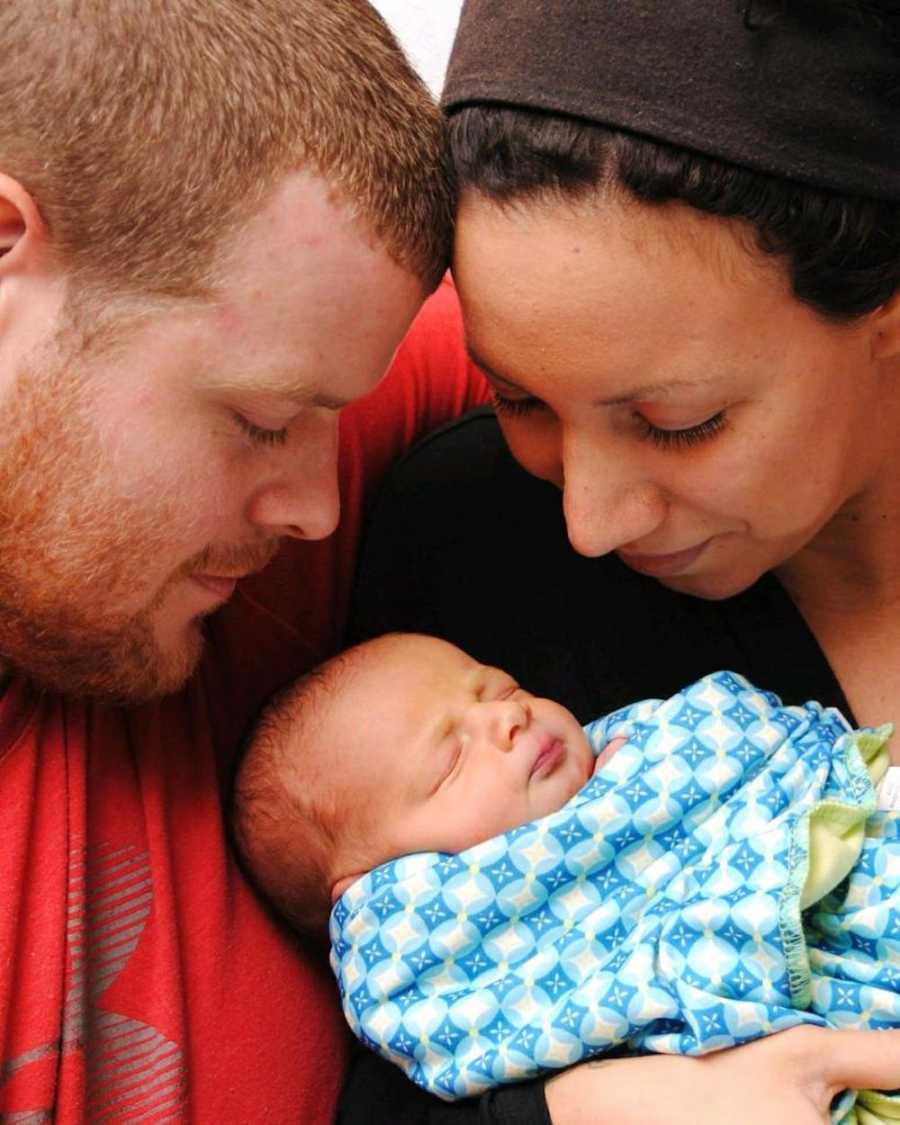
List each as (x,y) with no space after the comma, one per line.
(232,558)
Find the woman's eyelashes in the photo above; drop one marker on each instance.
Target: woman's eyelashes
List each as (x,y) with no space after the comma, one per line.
(684,438)
(514,407)
(260,435)
(663,438)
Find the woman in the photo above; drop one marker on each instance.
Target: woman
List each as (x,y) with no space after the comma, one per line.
(678,259)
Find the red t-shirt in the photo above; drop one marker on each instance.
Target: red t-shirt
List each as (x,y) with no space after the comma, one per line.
(140,979)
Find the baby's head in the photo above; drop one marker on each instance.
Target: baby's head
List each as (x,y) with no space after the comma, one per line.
(402,744)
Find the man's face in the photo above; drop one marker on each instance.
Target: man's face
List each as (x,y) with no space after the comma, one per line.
(139,479)
(444,752)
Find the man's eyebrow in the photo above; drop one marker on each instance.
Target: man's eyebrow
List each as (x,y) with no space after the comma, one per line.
(297,393)
(633,394)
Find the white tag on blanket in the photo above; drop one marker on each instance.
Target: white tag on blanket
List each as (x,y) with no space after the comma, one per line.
(888,791)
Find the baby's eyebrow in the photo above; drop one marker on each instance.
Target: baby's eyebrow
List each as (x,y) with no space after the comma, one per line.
(491,673)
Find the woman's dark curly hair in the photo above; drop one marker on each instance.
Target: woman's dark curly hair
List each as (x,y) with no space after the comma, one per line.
(843,252)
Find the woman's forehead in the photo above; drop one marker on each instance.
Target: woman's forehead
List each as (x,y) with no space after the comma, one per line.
(612,294)
(604,243)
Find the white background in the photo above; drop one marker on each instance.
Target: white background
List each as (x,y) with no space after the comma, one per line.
(425,28)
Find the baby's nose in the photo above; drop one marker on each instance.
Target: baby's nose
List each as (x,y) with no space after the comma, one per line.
(507,717)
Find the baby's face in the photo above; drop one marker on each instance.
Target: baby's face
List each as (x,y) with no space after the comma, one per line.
(448,752)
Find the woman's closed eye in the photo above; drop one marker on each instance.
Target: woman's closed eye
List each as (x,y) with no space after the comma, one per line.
(682,438)
(664,438)
(514,407)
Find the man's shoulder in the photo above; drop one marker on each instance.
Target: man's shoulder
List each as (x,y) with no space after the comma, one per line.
(124,921)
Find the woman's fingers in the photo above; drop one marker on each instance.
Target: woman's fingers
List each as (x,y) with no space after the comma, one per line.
(863,1060)
(790,1077)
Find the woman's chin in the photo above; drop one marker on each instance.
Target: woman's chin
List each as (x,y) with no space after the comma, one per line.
(713,586)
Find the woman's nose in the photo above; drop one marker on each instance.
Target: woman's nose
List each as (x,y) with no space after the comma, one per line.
(607,503)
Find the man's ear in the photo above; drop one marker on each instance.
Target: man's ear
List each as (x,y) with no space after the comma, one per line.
(886,329)
(22,230)
(342,884)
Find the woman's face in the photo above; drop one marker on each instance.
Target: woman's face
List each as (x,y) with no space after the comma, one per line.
(654,365)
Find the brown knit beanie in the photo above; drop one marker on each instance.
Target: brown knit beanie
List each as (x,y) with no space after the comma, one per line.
(803,89)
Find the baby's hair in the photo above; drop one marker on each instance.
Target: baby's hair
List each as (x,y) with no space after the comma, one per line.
(284,819)
(289,818)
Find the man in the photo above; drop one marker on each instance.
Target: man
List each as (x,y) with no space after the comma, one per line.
(216,223)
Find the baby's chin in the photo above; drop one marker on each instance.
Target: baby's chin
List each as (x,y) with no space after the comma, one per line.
(586,759)
(577,771)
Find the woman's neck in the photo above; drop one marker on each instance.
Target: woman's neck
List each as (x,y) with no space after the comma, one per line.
(846,584)
(853,564)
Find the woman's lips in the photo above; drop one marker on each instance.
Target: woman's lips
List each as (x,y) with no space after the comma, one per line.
(549,757)
(664,566)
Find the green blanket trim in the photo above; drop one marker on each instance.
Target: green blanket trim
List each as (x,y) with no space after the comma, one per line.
(825,844)
(873,1108)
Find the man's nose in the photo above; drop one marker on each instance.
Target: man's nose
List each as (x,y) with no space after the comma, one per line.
(299,496)
(607,502)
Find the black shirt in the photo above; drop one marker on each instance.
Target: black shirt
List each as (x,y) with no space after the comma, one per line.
(465,545)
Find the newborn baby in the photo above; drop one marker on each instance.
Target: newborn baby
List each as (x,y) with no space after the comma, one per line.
(510,893)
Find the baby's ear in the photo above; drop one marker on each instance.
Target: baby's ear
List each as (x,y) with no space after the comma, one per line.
(342,884)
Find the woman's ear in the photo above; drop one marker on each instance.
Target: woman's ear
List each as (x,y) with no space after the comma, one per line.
(886,329)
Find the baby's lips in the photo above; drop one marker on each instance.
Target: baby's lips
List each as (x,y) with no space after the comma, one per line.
(550,752)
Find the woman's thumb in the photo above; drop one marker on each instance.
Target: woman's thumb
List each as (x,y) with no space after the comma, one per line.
(862,1060)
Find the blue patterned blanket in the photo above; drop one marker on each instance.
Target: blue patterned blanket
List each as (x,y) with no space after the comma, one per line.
(723,877)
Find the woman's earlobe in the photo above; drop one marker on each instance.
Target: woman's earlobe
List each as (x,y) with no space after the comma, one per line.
(886,329)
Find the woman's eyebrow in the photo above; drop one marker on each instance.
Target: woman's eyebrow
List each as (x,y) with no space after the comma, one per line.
(633,394)
(655,390)
(486,368)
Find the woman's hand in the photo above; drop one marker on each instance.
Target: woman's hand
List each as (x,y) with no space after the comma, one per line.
(790,1077)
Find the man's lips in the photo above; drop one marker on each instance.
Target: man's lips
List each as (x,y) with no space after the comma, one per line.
(222,585)
(664,566)
(550,754)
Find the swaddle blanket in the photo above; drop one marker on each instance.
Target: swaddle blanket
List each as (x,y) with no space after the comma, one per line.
(659,909)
